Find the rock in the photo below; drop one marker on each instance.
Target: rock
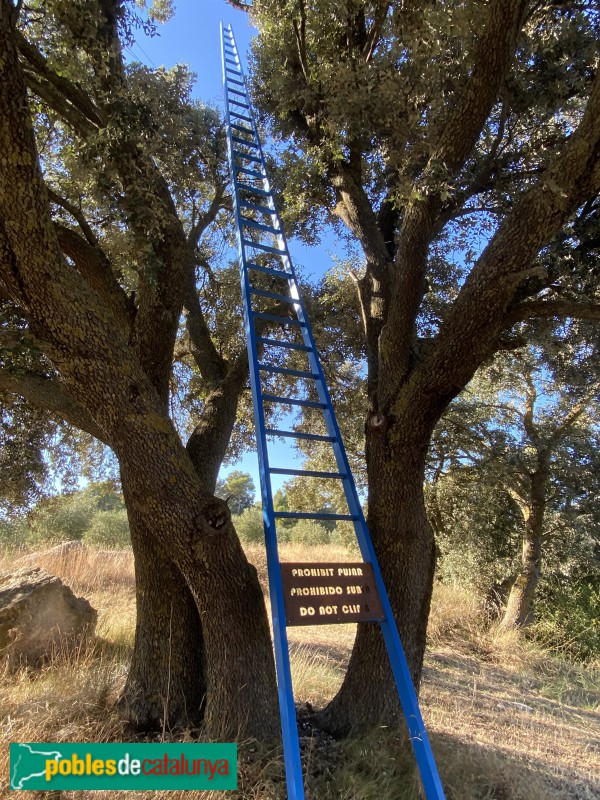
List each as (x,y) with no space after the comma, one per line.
(39,614)
(79,564)
(65,553)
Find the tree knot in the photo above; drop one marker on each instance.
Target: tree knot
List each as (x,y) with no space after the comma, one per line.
(216,515)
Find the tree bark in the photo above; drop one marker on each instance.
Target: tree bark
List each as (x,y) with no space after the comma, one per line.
(405,550)
(240,680)
(166,686)
(520,606)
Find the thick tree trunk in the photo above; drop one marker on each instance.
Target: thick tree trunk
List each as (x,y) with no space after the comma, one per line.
(405,549)
(520,605)
(166,685)
(168,629)
(239,672)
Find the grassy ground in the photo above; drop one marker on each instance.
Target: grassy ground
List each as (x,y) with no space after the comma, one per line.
(507,721)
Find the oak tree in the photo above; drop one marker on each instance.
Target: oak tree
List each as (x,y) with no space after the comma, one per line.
(111,179)
(401,120)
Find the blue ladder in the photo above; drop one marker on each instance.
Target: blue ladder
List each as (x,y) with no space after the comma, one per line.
(263,251)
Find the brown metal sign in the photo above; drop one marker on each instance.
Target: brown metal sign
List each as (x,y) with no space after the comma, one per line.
(320,594)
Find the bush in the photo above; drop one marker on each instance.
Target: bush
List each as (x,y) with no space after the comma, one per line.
(249,525)
(568,619)
(13,533)
(308,531)
(61,518)
(344,536)
(108,530)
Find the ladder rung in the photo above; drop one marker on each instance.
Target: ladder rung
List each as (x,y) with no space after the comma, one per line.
(264,247)
(240,94)
(251,172)
(293,401)
(290,345)
(256,207)
(243,141)
(313,437)
(242,129)
(309,473)
(281,298)
(235,80)
(237,115)
(250,223)
(312,515)
(246,187)
(239,103)
(235,63)
(275,318)
(295,373)
(247,156)
(276,273)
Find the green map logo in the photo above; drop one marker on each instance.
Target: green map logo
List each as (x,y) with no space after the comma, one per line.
(52,766)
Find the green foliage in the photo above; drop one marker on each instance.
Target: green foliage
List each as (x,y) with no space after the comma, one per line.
(108,530)
(568,618)
(310,532)
(95,515)
(238,489)
(61,518)
(249,525)
(13,533)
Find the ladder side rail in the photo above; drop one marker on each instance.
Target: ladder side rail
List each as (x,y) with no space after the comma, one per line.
(280,236)
(289,727)
(408,698)
(406,691)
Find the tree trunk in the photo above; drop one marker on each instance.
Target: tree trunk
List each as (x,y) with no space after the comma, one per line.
(405,550)
(239,671)
(168,629)
(520,606)
(166,685)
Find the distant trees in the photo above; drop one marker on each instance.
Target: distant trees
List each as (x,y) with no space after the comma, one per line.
(95,515)
(513,475)
(237,489)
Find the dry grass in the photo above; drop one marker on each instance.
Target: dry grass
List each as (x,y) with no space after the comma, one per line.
(507,720)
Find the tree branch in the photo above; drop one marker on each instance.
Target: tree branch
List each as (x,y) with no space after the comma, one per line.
(68,90)
(547,309)
(479,314)
(77,215)
(92,263)
(241,6)
(209,216)
(375,31)
(58,103)
(492,59)
(50,396)
(209,361)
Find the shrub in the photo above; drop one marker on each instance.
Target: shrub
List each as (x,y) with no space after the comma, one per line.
(61,518)
(308,531)
(108,530)
(568,619)
(249,525)
(13,533)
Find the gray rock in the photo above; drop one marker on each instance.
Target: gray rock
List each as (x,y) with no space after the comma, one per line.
(40,615)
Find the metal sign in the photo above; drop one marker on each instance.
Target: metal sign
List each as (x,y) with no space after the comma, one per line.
(321,594)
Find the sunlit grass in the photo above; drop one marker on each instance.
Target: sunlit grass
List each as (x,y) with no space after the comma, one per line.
(477,683)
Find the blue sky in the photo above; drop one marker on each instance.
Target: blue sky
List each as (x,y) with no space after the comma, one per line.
(192,37)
